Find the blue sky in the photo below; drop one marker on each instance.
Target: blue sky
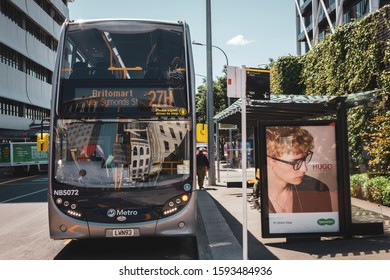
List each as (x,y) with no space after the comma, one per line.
(249,31)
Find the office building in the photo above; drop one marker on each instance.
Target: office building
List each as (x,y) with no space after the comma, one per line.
(316,18)
(29,34)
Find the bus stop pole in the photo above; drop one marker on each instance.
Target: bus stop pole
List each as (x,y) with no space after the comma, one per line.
(210,96)
(347,208)
(217,150)
(244,165)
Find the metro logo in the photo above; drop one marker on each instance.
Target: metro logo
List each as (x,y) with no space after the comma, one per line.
(121,212)
(126,212)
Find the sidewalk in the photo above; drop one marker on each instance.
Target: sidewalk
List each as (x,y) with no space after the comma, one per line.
(221,215)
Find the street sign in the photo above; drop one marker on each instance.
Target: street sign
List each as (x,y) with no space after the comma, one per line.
(257,84)
(201,132)
(234,81)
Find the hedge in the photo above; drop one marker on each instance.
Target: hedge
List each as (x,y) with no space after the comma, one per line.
(376,189)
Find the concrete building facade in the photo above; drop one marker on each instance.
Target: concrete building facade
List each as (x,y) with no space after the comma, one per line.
(316,18)
(29,33)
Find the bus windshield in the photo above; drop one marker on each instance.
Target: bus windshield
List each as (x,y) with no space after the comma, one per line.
(124,154)
(115,50)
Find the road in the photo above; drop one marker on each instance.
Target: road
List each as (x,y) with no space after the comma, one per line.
(24,231)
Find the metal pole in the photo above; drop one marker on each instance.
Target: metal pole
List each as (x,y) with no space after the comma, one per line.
(344,161)
(217,145)
(42,134)
(227,60)
(214,46)
(230,146)
(327,16)
(244,165)
(303,24)
(210,97)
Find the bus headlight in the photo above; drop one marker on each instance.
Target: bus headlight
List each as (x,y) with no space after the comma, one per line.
(69,208)
(174,205)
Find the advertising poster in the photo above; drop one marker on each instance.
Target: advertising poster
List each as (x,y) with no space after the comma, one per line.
(299,179)
(5,158)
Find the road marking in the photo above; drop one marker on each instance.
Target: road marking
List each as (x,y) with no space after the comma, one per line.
(14,180)
(67,241)
(41,180)
(15,198)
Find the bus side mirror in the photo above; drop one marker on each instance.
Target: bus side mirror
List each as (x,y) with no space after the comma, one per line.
(43,142)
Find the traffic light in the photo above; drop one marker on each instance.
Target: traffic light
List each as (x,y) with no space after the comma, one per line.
(42,142)
(257,84)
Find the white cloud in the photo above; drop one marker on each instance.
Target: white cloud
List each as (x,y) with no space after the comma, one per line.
(239,40)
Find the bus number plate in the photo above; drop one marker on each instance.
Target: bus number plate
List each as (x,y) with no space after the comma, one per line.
(123,232)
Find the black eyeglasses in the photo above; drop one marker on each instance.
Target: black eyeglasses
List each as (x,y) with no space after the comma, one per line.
(297,164)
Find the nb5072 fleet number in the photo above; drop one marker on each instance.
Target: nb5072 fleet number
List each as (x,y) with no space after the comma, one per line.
(66,192)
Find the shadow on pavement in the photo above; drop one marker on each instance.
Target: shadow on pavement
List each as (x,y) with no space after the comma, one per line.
(256,250)
(140,248)
(359,247)
(338,247)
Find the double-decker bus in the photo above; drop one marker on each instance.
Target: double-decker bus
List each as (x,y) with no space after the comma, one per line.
(122,131)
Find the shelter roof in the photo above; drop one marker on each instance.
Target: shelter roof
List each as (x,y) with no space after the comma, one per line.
(291,107)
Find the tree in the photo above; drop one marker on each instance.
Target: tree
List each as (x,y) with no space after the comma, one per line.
(220,97)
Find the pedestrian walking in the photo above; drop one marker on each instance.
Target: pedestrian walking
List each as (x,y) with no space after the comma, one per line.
(202,165)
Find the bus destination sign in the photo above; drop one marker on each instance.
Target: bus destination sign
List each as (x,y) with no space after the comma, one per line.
(163,101)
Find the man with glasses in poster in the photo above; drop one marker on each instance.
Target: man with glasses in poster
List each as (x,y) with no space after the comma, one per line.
(290,190)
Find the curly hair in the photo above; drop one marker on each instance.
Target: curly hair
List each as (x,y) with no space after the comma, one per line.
(288,139)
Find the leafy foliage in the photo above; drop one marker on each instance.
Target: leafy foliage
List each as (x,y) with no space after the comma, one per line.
(285,75)
(378,143)
(357,182)
(356,58)
(348,61)
(376,189)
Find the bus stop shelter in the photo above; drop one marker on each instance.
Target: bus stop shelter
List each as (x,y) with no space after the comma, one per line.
(292,107)
(306,107)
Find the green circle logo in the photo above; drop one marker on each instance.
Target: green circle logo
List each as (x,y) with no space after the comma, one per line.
(326,222)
